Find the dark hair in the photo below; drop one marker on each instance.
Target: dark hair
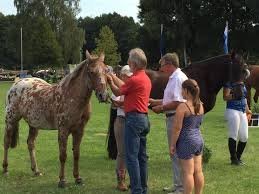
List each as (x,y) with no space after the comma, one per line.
(192,87)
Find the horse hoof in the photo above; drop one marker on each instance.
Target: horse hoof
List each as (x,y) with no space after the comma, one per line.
(5,173)
(62,184)
(79,181)
(38,174)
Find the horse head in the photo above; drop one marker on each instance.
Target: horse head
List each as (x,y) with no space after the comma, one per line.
(97,72)
(238,68)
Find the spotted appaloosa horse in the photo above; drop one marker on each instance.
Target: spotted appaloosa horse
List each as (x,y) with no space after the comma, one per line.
(211,74)
(253,82)
(65,107)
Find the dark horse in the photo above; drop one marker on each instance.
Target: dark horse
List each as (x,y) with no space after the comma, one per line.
(65,106)
(211,74)
(253,82)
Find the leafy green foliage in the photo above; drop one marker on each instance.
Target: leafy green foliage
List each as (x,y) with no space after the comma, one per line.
(106,43)
(41,46)
(207,153)
(197,26)
(124,28)
(255,108)
(66,37)
(9,41)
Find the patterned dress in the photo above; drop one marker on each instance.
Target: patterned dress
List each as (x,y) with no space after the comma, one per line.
(190,141)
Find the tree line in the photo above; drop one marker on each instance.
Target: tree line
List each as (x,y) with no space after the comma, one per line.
(54,36)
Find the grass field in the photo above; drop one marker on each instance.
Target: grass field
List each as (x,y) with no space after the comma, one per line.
(98,171)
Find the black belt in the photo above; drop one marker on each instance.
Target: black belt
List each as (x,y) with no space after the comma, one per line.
(170,114)
(121,116)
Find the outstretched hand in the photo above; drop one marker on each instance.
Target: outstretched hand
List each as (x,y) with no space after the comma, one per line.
(157,109)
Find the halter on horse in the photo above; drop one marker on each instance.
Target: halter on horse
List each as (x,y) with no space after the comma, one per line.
(210,74)
(65,107)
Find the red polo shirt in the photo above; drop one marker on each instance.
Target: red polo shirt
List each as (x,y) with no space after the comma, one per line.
(136,90)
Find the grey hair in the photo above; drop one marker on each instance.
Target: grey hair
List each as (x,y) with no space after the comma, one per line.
(170,58)
(138,57)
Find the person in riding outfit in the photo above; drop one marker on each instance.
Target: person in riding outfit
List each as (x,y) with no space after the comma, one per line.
(234,93)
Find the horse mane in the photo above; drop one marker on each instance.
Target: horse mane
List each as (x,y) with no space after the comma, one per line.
(75,73)
(212,60)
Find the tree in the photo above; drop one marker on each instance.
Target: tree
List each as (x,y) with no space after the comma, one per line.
(71,38)
(197,25)
(9,42)
(61,16)
(42,49)
(124,28)
(106,43)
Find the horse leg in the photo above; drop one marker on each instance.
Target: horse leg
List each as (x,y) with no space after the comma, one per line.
(33,132)
(10,138)
(7,142)
(256,96)
(77,137)
(62,140)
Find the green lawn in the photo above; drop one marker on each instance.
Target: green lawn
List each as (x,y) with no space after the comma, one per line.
(98,171)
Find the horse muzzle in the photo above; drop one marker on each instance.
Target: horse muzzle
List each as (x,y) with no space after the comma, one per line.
(102,96)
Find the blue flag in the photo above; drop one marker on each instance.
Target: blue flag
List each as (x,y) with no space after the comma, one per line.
(162,43)
(226,39)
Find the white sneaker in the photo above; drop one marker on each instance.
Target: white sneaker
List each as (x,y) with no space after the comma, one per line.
(169,189)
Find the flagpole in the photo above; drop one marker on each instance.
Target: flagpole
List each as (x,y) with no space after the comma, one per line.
(161,39)
(226,39)
(21,73)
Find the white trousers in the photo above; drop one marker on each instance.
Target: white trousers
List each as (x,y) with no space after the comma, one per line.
(237,124)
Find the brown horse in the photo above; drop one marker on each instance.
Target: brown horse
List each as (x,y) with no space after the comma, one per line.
(211,74)
(65,106)
(253,82)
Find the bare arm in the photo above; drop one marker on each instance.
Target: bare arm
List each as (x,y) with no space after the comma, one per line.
(178,123)
(114,88)
(117,81)
(117,103)
(170,106)
(248,111)
(227,94)
(155,102)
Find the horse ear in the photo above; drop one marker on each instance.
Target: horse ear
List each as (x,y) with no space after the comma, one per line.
(87,54)
(102,56)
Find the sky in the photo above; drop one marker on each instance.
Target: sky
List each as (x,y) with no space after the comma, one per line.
(90,8)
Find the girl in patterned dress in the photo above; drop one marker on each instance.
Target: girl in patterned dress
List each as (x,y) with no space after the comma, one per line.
(187,141)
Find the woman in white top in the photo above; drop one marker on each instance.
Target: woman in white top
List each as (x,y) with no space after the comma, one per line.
(119,134)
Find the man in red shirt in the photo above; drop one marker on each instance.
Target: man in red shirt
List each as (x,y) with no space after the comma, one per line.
(136,91)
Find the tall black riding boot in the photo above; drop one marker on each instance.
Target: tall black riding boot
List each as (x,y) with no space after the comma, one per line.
(232,151)
(240,148)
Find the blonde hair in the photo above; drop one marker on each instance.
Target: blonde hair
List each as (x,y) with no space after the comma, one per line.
(192,87)
(138,57)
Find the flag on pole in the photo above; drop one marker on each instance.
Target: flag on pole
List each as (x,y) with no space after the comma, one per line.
(226,38)
(162,44)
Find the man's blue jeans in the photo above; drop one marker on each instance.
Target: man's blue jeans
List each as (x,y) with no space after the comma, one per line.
(136,128)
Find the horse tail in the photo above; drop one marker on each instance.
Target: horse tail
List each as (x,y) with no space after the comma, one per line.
(15,136)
